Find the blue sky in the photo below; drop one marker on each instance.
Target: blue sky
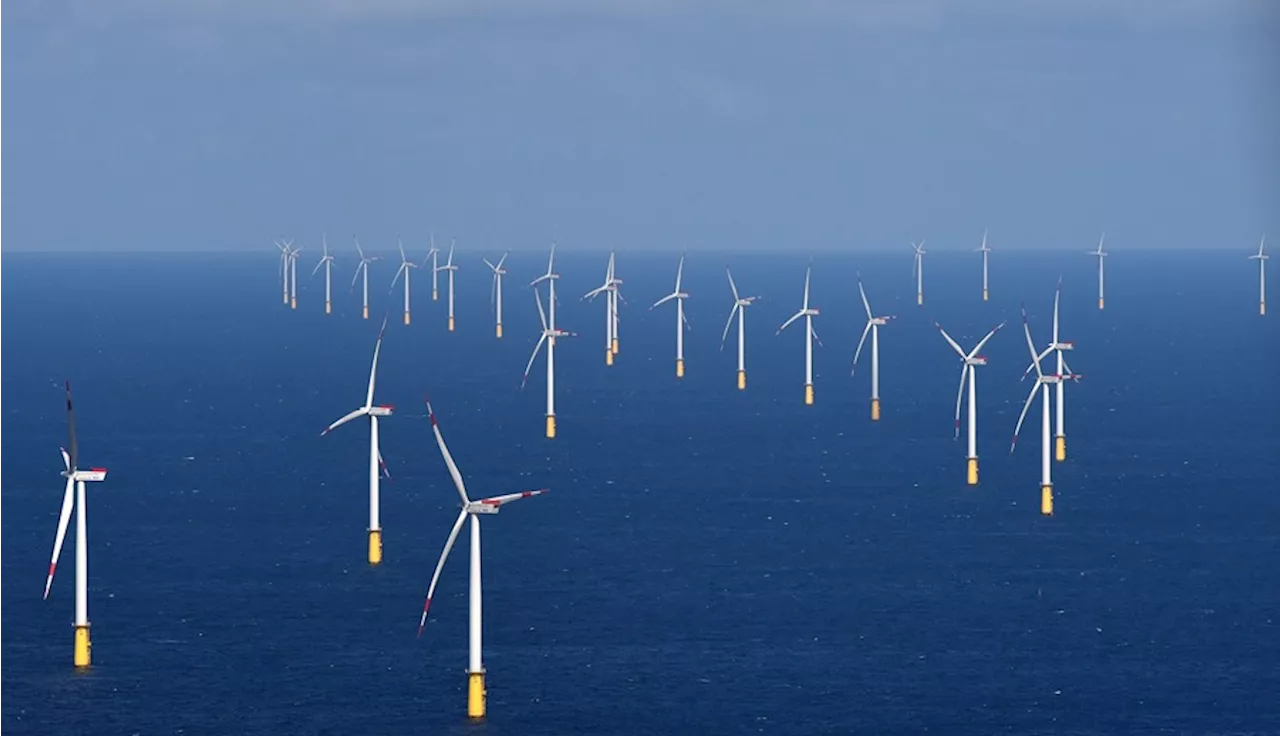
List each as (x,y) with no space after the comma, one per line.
(745,125)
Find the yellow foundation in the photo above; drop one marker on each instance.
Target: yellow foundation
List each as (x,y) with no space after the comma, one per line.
(875,410)
(551,426)
(920,299)
(82,646)
(328,308)
(1101,302)
(375,546)
(293,303)
(984,295)
(435,295)
(498,331)
(1262,308)
(679,368)
(406,318)
(1060,448)
(365,313)
(742,380)
(808,394)
(608,356)
(614,347)
(451,324)
(1046,500)
(476,695)
(972,474)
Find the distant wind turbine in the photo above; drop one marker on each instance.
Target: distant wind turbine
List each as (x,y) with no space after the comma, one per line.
(740,305)
(809,335)
(76,478)
(1058,347)
(284,269)
(1043,381)
(917,270)
(549,334)
(477,694)
(405,265)
(1262,258)
(375,455)
(293,277)
(873,326)
(327,262)
(609,288)
(986,252)
(450,268)
(496,297)
(681,320)
(433,256)
(969,363)
(1100,254)
(363,269)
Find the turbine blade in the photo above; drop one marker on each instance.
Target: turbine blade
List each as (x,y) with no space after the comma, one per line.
(679,273)
(787,324)
(448,458)
(978,348)
(1035,358)
(952,343)
(964,373)
(345,418)
(435,577)
(728,324)
(732,286)
(1030,397)
(532,358)
(356,277)
(663,300)
(508,498)
(863,292)
(807,271)
(63,519)
(537,299)
(858,352)
(373,370)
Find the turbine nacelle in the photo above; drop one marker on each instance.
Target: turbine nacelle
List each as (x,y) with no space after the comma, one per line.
(1062,346)
(380,411)
(881,321)
(976,360)
(92,474)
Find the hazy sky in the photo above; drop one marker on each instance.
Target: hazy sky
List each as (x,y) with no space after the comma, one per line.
(198,125)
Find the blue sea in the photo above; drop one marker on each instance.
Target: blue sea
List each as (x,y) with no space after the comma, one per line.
(708,561)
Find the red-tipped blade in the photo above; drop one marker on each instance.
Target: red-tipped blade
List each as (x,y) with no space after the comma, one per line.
(422,623)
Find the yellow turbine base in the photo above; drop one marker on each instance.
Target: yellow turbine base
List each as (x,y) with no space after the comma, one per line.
(328,308)
(551,426)
(476,695)
(920,299)
(498,331)
(608,356)
(406,318)
(435,295)
(808,394)
(742,380)
(875,410)
(375,546)
(366,313)
(614,347)
(293,303)
(1060,448)
(679,368)
(286,298)
(1262,308)
(984,295)
(1046,500)
(451,324)
(1101,303)
(82,646)
(972,475)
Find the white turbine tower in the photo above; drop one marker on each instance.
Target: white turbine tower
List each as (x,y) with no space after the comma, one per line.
(917,270)
(450,267)
(476,691)
(405,265)
(740,305)
(1100,254)
(496,296)
(549,334)
(1262,258)
(610,290)
(681,321)
(986,253)
(614,296)
(874,324)
(326,261)
(284,269)
(1058,347)
(293,277)
(809,336)
(73,495)
(969,363)
(1043,381)
(375,455)
(433,256)
(363,268)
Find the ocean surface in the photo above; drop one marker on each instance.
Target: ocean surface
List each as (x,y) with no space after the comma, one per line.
(708,561)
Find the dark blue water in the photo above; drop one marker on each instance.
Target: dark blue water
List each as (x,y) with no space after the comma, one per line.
(708,561)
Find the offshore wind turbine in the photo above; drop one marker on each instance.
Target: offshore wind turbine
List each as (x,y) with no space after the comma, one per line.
(549,334)
(496,297)
(917,270)
(969,363)
(293,277)
(986,252)
(363,268)
(74,496)
(284,269)
(1262,258)
(433,256)
(405,265)
(614,296)
(681,320)
(740,305)
(1058,347)
(450,267)
(873,326)
(1100,254)
(1043,381)
(477,693)
(375,455)
(610,289)
(809,335)
(327,262)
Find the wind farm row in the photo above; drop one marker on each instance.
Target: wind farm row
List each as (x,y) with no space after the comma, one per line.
(1046,363)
